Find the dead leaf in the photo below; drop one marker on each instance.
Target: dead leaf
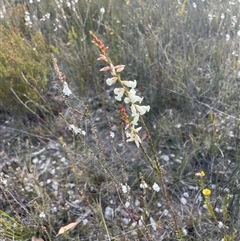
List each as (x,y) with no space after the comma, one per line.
(67,227)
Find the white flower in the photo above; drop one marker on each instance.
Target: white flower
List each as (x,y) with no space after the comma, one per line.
(76,130)
(220,224)
(84,221)
(133,135)
(125,188)
(194,5)
(143,184)
(102,57)
(135,120)
(66,90)
(27,17)
(133,110)
(218,210)
(119,92)
(132,97)
(102,10)
(119,68)
(222,16)
(54,209)
(210,16)
(142,109)
(112,134)
(2,180)
(106,68)
(111,81)
(226,189)
(155,187)
(42,215)
(47,15)
(130,84)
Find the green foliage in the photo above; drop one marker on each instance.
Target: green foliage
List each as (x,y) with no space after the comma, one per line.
(12,228)
(24,65)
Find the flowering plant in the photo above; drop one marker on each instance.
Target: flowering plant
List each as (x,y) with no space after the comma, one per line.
(125,92)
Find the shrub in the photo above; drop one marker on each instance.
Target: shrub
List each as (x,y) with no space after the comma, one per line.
(24,67)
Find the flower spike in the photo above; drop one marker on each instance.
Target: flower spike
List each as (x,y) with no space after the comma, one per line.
(126,92)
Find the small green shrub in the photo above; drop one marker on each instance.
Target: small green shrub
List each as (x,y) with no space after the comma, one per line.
(13,229)
(24,65)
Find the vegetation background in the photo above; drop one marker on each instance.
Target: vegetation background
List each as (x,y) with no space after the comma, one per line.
(184,55)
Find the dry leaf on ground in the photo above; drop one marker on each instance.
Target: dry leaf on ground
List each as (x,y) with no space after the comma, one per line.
(36,239)
(67,227)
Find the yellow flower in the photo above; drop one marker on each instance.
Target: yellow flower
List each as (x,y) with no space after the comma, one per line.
(206,192)
(202,173)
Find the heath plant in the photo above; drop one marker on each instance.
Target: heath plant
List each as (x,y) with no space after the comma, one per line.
(131,112)
(24,64)
(133,122)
